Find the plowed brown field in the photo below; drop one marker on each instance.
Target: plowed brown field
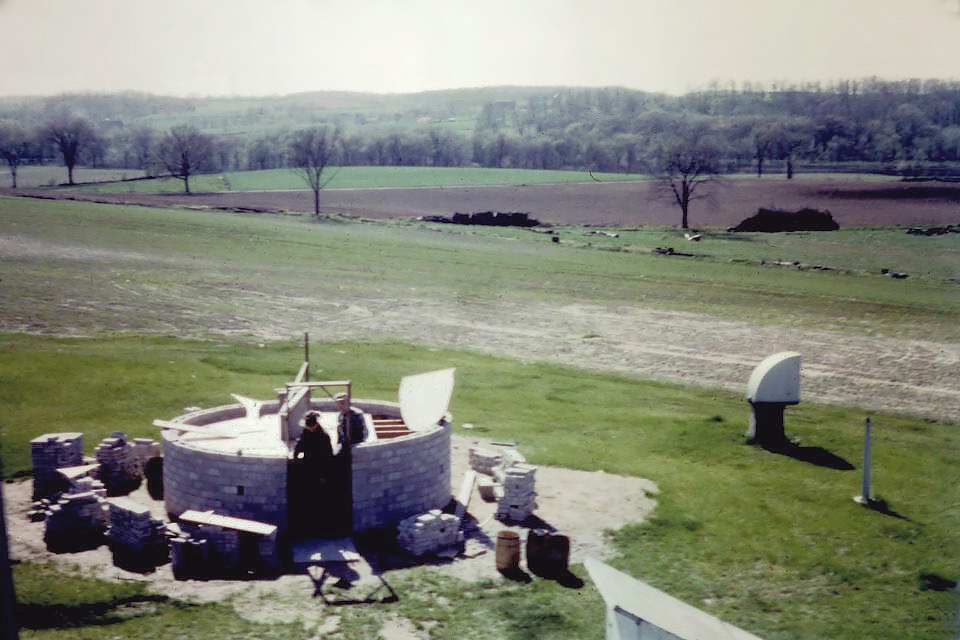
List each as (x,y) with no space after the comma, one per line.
(852,202)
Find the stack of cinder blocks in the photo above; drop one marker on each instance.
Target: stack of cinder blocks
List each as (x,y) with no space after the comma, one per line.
(189,557)
(86,483)
(484,460)
(220,553)
(519,495)
(428,532)
(76,521)
(135,537)
(50,452)
(144,449)
(120,469)
(82,484)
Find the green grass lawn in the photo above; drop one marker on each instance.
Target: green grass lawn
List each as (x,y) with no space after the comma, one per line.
(360,178)
(74,266)
(765,541)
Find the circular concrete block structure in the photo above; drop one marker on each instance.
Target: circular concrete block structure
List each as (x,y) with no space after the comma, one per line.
(237,465)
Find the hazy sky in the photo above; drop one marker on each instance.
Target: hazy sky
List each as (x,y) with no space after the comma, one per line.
(212,47)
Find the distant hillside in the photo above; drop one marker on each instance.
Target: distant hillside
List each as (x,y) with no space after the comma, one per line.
(907,127)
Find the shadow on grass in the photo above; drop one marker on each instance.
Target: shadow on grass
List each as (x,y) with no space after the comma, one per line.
(882,506)
(57,616)
(935,582)
(811,455)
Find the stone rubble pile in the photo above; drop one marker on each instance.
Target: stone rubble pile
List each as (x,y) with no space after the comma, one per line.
(135,537)
(484,460)
(50,452)
(428,532)
(519,494)
(120,468)
(76,521)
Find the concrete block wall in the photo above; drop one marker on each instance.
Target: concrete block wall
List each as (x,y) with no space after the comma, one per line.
(392,479)
(207,480)
(397,478)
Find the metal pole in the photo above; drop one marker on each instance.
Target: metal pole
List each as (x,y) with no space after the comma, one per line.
(864,497)
(8,626)
(306,355)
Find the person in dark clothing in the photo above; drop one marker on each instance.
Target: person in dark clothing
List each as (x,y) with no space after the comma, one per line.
(314,477)
(314,444)
(349,416)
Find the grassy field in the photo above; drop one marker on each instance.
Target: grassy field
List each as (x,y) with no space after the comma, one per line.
(766,541)
(89,267)
(392,177)
(52,175)
(360,178)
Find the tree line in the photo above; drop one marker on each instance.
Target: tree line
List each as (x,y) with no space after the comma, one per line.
(907,126)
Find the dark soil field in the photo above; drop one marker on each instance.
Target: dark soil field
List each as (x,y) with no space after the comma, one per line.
(852,202)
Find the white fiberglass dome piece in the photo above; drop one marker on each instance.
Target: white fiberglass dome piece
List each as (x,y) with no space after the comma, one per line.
(425,398)
(776,379)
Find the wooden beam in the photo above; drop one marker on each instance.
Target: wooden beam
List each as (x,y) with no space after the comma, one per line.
(466,492)
(302,374)
(325,383)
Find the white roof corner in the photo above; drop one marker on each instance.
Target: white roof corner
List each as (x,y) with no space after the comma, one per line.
(653,607)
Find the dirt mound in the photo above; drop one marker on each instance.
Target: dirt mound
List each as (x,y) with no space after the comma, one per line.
(775,220)
(488,219)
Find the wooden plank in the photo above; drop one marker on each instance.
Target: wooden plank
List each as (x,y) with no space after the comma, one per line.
(324,383)
(186,428)
(466,492)
(302,374)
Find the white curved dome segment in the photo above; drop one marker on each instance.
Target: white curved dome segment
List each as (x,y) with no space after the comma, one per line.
(425,398)
(776,379)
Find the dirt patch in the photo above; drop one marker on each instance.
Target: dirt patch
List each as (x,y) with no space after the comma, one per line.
(579,504)
(852,202)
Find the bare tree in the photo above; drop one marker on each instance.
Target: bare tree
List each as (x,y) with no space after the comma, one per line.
(14,146)
(686,161)
(141,141)
(311,151)
(70,134)
(184,151)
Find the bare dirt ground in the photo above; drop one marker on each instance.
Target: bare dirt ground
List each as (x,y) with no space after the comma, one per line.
(852,202)
(917,377)
(579,504)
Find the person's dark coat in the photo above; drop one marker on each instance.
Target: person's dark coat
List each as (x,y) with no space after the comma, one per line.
(315,447)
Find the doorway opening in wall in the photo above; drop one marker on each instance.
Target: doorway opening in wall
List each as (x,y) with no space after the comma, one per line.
(318,497)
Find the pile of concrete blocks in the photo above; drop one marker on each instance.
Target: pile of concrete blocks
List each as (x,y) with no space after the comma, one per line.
(86,483)
(144,449)
(77,521)
(189,558)
(135,537)
(72,480)
(209,544)
(50,452)
(120,469)
(519,493)
(484,460)
(428,532)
